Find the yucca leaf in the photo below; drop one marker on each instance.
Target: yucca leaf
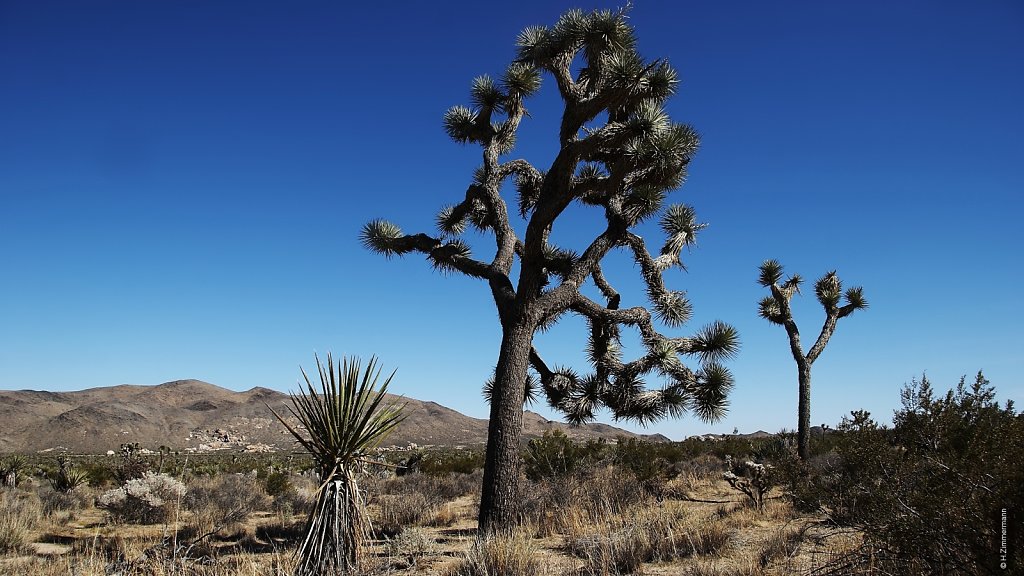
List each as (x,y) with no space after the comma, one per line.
(716,341)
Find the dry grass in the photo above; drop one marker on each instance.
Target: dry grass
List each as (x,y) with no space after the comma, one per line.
(500,556)
(603,524)
(621,544)
(20,513)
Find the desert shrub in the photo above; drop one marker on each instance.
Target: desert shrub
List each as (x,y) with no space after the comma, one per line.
(20,513)
(418,499)
(54,501)
(101,474)
(298,499)
(151,499)
(652,463)
(930,493)
(223,502)
(277,482)
(400,510)
(500,555)
(444,462)
(411,545)
(555,454)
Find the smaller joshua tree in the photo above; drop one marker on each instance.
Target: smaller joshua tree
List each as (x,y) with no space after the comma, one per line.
(775,309)
(340,422)
(751,478)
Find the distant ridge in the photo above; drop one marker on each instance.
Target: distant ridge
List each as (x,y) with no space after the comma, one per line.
(192,415)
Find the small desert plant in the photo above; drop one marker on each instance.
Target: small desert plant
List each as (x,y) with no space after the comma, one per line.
(54,501)
(132,465)
(223,502)
(151,499)
(11,469)
(341,421)
(277,482)
(400,510)
(512,554)
(751,478)
(411,545)
(67,477)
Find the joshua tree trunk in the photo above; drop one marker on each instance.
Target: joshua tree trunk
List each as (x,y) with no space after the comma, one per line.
(499,500)
(803,431)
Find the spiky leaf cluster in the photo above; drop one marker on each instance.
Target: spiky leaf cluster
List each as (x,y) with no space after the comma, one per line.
(829,291)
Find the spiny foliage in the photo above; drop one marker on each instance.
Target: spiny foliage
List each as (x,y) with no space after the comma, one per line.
(620,153)
(339,421)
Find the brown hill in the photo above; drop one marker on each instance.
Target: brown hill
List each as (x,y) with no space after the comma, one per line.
(190,415)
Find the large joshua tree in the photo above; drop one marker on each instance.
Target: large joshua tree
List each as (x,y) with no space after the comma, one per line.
(620,154)
(775,308)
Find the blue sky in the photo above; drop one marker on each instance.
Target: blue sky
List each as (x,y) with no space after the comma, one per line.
(182,187)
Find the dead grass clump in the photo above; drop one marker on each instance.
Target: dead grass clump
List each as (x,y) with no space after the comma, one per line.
(564,504)
(411,545)
(721,569)
(20,514)
(708,539)
(398,511)
(297,499)
(223,502)
(501,555)
(54,501)
(623,543)
(780,544)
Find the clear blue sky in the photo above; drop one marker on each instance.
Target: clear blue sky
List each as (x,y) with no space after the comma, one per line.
(182,187)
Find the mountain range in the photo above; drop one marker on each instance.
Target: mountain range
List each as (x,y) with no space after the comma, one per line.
(195,416)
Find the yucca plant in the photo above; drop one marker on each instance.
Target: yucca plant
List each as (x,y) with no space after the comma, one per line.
(67,478)
(338,424)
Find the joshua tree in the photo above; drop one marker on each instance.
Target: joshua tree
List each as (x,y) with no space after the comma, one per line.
(775,309)
(340,422)
(619,154)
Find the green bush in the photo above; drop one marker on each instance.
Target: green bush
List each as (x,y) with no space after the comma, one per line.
(441,463)
(650,462)
(556,455)
(929,493)
(277,482)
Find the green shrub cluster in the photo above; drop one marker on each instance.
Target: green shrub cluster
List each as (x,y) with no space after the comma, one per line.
(928,493)
(444,462)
